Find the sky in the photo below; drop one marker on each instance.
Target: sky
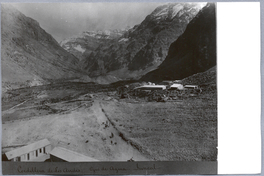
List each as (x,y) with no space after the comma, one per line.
(64,20)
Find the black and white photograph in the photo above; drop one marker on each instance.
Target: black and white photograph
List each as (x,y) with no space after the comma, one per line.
(113,82)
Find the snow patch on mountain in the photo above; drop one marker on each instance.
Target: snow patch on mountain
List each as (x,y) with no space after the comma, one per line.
(172,9)
(200,5)
(176,9)
(79,48)
(163,12)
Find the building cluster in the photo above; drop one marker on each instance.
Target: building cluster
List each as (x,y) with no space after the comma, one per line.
(41,151)
(164,91)
(167,85)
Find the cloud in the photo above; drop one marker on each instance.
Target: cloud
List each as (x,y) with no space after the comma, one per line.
(63,20)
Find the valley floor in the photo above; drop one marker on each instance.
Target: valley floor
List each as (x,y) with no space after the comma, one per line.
(104,127)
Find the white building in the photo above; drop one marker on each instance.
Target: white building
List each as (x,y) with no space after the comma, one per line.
(191,86)
(151,87)
(38,151)
(176,86)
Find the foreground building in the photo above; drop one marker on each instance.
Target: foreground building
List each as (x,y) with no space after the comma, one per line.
(38,151)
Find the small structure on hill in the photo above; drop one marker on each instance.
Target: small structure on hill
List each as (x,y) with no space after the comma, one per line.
(177,81)
(38,151)
(191,87)
(59,154)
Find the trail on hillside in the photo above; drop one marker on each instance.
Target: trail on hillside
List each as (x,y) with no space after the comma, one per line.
(123,150)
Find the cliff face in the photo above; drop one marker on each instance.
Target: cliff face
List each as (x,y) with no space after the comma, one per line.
(143,47)
(193,52)
(29,55)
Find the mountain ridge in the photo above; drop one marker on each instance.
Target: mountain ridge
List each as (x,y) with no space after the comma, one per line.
(193,52)
(143,47)
(29,54)
(83,44)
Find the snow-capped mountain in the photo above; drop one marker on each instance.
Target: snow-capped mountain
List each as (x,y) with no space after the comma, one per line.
(171,10)
(143,47)
(83,44)
(193,52)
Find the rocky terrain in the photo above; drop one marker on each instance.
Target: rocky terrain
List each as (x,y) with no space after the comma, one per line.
(193,52)
(29,55)
(203,78)
(67,117)
(95,121)
(143,47)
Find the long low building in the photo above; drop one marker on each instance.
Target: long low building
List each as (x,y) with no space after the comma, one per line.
(191,86)
(151,87)
(59,154)
(37,151)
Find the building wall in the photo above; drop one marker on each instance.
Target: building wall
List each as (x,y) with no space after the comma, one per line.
(48,149)
(34,155)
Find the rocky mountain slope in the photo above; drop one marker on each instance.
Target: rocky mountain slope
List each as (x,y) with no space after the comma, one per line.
(82,45)
(143,47)
(29,55)
(193,52)
(203,78)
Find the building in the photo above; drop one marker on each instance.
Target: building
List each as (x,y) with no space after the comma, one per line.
(151,87)
(38,151)
(176,87)
(195,89)
(59,154)
(177,81)
(191,86)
